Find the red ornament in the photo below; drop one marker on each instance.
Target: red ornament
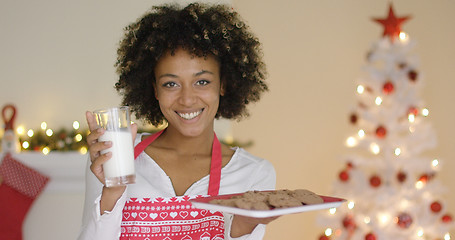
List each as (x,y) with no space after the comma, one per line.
(370,236)
(404,220)
(412,75)
(401,176)
(324,237)
(413,110)
(353,118)
(426,177)
(388,87)
(349,223)
(447,218)
(391,24)
(375,181)
(344,176)
(436,207)
(381,132)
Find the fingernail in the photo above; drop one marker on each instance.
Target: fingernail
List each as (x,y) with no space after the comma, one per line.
(108,143)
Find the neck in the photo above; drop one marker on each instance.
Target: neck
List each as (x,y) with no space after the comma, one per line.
(201,144)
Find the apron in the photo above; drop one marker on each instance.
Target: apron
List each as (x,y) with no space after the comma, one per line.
(174,218)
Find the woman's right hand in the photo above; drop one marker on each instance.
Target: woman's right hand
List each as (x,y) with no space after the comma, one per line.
(95,147)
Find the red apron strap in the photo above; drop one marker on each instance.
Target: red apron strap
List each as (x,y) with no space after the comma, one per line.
(140,147)
(215,168)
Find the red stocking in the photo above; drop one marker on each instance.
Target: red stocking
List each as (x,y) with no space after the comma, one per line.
(19,187)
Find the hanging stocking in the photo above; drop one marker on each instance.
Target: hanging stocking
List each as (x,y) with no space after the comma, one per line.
(19,187)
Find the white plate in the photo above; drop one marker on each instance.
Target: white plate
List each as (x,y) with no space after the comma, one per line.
(203,203)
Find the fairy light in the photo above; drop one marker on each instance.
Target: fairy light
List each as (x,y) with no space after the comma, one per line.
(78,137)
(378,101)
(411,118)
(404,37)
(420,232)
(383,218)
(419,184)
(397,151)
(447,236)
(49,132)
(367,220)
(76,125)
(375,149)
(332,210)
(30,133)
(20,130)
(25,145)
(43,125)
(361,133)
(435,163)
(46,150)
(412,129)
(360,89)
(425,112)
(351,205)
(351,142)
(328,232)
(83,150)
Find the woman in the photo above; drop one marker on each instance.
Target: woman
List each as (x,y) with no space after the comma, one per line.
(183,67)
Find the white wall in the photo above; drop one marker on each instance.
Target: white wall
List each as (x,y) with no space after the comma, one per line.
(57,61)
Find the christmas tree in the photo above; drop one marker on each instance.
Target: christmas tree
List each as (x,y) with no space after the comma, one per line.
(389,181)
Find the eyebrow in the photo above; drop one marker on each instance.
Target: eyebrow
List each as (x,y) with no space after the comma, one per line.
(196,74)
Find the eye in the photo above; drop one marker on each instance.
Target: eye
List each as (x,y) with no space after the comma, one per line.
(202,82)
(169,84)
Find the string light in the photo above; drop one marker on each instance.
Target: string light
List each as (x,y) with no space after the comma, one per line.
(351,142)
(447,236)
(20,130)
(397,151)
(411,118)
(332,210)
(378,101)
(366,220)
(419,184)
(78,137)
(361,133)
(49,132)
(360,89)
(375,149)
(30,133)
(351,205)
(425,112)
(435,163)
(83,150)
(43,125)
(420,233)
(25,144)
(46,150)
(328,232)
(404,37)
(76,125)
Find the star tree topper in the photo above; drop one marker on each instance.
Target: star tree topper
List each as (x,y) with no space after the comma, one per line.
(392,24)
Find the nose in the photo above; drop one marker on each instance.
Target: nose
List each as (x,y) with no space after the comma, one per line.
(187,96)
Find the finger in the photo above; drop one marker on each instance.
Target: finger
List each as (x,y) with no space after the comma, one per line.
(94,136)
(91,121)
(134,131)
(96,148)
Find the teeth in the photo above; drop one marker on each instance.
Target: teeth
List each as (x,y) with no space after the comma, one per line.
(189,116)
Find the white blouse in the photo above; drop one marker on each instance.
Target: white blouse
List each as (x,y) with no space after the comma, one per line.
(244,172)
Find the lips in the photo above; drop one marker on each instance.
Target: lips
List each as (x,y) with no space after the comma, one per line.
(190,115)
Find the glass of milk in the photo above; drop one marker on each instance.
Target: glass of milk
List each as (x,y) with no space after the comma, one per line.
(119,170)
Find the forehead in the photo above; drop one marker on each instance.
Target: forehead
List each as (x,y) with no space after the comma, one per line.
(181,59)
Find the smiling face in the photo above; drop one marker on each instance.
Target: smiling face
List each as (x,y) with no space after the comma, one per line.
(188,91)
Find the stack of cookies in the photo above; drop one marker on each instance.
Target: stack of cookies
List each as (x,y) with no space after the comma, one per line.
(266,200)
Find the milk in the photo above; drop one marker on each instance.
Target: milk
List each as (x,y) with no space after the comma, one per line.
(121,164)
